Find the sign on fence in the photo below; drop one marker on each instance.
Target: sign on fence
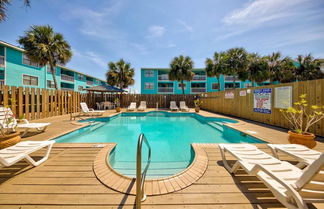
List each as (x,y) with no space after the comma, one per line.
(262,101)
(283,97)
(229,95)
(243,93)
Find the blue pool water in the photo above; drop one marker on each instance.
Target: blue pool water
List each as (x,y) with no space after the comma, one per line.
(169,134)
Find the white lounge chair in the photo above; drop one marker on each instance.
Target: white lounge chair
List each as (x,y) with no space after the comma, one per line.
(292,186)
(132,106)
(90,111)
(25,124)
(22,150)
(302,154)
(183,106)
(142,106)
(173,106)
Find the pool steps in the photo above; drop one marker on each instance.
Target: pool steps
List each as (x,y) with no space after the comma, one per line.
(156,169)
(217,125)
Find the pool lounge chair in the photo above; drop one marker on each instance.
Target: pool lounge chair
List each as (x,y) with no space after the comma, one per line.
(132,106)
(142,106)
(25,124)
(302,154)
(89,111)
(183,106)
(173,106)
(22,150)
(293,187)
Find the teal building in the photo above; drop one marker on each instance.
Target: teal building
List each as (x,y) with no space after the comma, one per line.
(17,70)
(156,81)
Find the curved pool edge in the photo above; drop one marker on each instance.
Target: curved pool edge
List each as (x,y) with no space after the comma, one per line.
(127,185)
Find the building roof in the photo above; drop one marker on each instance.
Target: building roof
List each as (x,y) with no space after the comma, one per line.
(61,66)
(104,88)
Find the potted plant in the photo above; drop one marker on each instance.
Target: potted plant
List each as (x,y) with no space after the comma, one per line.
(198,103)
(301,117)
(117,103)
(9,136)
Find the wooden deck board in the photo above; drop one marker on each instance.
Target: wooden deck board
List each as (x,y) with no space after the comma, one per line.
(72,184)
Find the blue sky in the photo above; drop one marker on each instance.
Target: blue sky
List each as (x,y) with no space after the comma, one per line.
(150,33)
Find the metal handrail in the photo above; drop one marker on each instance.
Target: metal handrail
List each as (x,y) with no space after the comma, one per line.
(140,177)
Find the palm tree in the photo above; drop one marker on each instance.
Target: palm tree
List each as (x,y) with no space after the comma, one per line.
(215,67)
(181,70)
(3,8)
(120,74)
(258,70)
(308,68)
(287,71)
(274,63)
(46,47)
(236,63)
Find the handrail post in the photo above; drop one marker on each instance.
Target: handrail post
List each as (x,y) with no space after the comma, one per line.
(140,177)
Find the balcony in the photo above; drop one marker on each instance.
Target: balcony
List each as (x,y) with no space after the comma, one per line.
(67,77)
(198,90)
(165,90)
(199,78)
(164,77)
(89,82)
(67,89)
(2,61)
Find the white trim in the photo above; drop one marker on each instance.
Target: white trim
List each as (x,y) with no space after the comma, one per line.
(22,80)
(5,65)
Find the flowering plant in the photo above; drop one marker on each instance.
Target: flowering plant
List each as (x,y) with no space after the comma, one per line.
(198,102)
(303,116)
(117,102)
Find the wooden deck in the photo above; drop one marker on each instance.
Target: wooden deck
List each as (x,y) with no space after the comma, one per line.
(67,180)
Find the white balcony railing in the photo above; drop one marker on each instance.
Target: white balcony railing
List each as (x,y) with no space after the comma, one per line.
(164,77)
(67,77)
(199,77)
(198,89)
(2,61)
(89,82)
(67,89)
(165,89)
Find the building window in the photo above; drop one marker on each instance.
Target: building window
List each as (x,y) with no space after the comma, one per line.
(80,88)
(30,80)
(247,85)
(148,73)
(50,84)
(180,85)
(215,86)
(27,61)
(80,77)
(49,69)
(149,86)
(231,85)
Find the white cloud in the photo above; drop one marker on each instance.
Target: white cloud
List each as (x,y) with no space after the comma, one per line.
(156,31)
(185,25)
(260,11)
(92,56)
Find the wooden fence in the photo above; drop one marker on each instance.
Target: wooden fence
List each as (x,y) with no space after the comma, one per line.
(242,106)
(35,103)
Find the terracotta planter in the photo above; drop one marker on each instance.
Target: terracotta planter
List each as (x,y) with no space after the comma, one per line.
(117,109)
(197,109)
(9,140)
(303,139)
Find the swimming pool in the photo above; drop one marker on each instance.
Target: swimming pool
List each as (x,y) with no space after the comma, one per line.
(169,134)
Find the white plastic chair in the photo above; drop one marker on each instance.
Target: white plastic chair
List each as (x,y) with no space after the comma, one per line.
(183,106)
(22,150)
(173,106)
(302,154)
(91,112)
(292,186)
(25,124)
(132,106)
(142,106)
